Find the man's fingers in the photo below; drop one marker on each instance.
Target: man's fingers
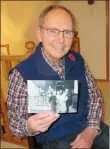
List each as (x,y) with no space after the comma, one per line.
(44,115)
(46,120)
(42,125)
(76,140)
(45,126)
(41,121)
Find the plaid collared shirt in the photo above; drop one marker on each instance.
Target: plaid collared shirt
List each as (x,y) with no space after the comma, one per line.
(18,105)
(60,69)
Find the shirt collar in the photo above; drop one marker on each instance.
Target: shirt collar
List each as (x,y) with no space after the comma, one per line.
(61,62)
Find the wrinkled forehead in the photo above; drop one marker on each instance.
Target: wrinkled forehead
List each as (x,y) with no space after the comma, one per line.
(58,17)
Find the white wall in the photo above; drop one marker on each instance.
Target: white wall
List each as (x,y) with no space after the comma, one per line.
(91,25)
(18,23)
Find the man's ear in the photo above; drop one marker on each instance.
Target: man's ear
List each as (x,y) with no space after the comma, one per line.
(38,33)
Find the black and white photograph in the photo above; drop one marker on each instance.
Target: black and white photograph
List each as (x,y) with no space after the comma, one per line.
(52,95)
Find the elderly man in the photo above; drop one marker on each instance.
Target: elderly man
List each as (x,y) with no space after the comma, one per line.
(53,60)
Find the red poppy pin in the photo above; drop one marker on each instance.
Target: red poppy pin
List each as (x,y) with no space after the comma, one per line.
(71,57)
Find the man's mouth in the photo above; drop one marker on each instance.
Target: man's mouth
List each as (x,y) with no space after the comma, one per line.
(59,47)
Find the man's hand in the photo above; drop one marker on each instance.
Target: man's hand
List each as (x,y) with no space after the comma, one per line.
(84,139)
(41,122)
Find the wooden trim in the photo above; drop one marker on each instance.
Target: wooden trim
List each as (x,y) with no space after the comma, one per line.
(102,80)
(13,57)
(7,47)
(76,43)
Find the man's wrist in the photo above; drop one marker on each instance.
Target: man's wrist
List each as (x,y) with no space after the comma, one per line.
(30,132)
(92,131)
(94,124)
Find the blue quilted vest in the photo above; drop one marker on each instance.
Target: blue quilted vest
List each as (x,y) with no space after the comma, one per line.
(36,68)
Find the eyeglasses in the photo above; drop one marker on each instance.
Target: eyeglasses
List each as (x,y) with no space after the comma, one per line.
(55,32)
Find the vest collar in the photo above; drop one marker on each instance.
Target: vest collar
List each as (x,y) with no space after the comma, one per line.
(43,67)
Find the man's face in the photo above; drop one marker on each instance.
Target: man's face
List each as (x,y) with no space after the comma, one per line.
(56,47)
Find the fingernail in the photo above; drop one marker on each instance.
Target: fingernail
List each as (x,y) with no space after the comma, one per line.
(57,115)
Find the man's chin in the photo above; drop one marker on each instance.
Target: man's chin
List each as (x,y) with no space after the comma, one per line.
(58,56)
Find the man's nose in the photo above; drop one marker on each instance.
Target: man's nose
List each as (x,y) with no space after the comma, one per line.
(61,37)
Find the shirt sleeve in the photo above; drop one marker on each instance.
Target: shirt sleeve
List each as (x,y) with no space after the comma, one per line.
(17,104)
(95,101)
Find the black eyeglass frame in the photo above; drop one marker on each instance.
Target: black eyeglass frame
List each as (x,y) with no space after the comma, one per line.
(48,29)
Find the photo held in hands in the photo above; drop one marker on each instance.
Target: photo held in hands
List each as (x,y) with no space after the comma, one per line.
(52,95)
